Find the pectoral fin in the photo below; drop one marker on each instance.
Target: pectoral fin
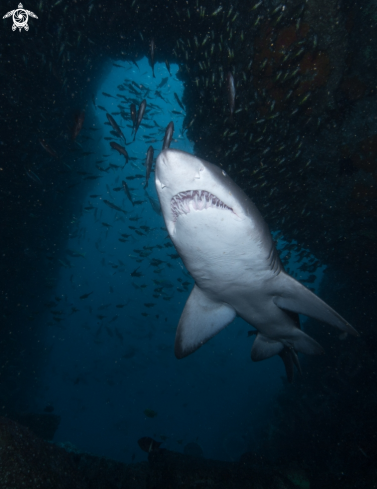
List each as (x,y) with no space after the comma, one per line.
(295,297)
(202,318)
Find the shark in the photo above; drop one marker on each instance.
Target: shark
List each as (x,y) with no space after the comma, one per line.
(227,247)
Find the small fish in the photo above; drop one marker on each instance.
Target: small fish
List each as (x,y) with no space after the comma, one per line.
(152,50)
(179,102)
(115,126)
(33,176)
(304,99)
(85,296)
(75,254)
(231,93)
(163,82)
(140,115)
(168,135)
(135,273)
(48,148)
(167,64)
(160,96)
(120,149)
(148,164)
(257,5)
(149,412)
(138,86)
(131,88)
(219,9)
(127,191)
(133,115)
(113,206)
(107,95)
(154,203)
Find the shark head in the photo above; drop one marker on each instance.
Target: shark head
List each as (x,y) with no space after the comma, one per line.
(187,184)
(226,246)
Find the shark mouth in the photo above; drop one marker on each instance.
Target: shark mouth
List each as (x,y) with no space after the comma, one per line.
(199,200)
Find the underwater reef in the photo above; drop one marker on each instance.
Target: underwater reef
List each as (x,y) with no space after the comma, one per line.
(28,461)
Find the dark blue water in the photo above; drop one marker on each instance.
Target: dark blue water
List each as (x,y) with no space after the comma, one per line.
(111,373)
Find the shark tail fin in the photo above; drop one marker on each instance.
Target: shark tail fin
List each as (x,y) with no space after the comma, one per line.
(202,318)
(293,296)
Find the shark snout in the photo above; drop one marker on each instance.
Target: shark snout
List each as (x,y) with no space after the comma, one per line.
(164,169)
(159,168)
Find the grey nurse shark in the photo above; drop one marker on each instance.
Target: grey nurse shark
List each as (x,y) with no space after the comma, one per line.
(227,247)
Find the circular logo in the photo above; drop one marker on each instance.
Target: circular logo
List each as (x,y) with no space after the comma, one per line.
(20,18)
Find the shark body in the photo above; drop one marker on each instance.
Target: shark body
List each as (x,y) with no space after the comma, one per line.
(227,247)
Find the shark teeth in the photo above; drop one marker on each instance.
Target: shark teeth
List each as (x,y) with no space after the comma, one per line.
(199,200)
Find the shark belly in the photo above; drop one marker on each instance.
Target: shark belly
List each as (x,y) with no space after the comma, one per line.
(219,251)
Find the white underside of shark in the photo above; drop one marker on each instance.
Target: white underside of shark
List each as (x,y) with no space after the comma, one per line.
(228,249)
